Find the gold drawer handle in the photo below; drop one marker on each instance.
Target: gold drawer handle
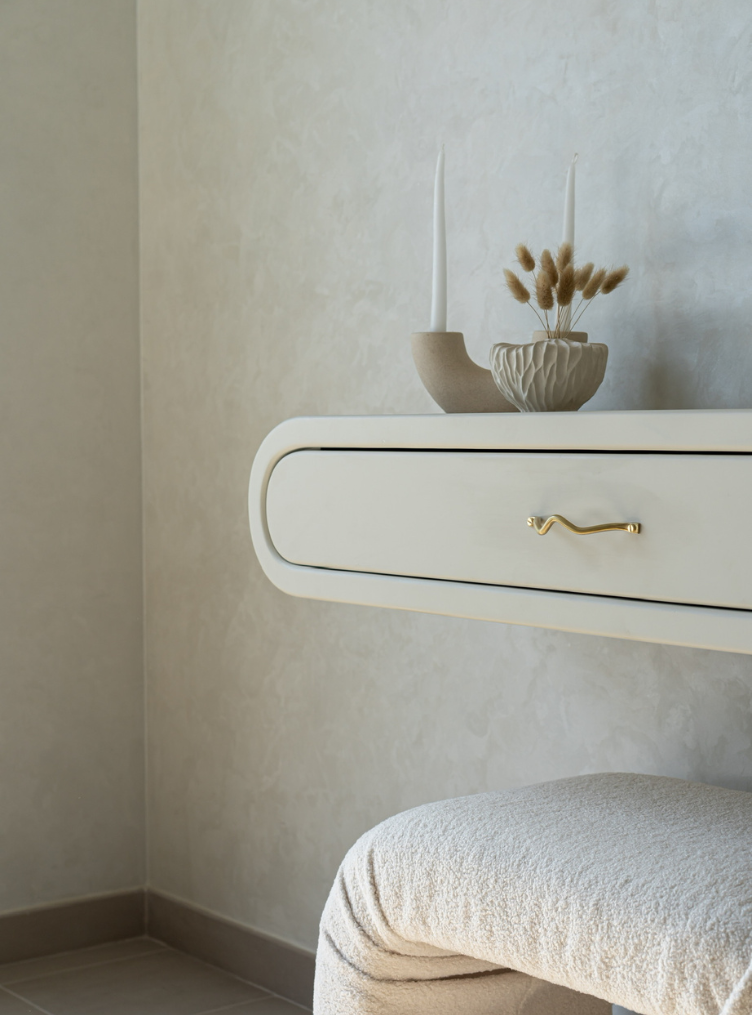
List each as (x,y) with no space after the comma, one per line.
(542,526)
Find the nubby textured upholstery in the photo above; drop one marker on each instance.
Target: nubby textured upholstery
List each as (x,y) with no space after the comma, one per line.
(628,889)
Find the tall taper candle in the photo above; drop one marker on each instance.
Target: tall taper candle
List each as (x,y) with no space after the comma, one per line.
(439,288)
(565,315)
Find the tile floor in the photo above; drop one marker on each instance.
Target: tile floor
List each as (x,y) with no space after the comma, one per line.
(136,977)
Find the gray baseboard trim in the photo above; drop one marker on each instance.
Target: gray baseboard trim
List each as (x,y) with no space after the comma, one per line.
(270,962)
(44,930)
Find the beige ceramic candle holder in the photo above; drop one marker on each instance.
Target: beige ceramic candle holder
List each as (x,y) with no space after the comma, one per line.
(451,378)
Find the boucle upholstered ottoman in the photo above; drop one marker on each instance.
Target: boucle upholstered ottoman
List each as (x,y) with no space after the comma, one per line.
(636,890)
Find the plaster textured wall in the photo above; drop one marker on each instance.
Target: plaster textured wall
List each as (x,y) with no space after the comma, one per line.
(287,158)
(71,674)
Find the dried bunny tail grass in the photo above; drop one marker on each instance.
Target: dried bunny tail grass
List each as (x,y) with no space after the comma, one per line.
(547,264)
(614,279)
(526,259)
(565,288)
(564,256)
(594,284)
(544,292)
(582,276)
(516,287)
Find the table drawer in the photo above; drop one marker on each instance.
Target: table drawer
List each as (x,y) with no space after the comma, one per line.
(462,516)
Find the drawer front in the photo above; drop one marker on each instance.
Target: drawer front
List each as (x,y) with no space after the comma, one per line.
(462,516)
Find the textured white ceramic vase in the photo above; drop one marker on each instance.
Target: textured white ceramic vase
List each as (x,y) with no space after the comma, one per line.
(549,375)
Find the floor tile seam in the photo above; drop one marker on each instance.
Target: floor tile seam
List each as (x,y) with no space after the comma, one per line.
(235,1004)
(218,969)
(209,1011)
(294,1003)
(84,948)
(256,1000)
(25,1000)
(72,952)
(88,965)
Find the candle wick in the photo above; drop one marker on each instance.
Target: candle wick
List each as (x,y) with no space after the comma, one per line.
(576,156)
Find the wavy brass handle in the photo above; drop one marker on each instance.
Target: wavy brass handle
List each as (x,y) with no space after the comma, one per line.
(542,526)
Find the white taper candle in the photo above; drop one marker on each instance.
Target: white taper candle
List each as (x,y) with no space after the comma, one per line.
(439,287)
(568,234)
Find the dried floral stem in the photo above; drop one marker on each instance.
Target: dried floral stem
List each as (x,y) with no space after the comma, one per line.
(516,287)
(614,279)
(594,284)
(544,323)
(547,264)
(525,258)
(564,256)
(556,284)
(565,289)
(577,313)
(582,276)
(544,291)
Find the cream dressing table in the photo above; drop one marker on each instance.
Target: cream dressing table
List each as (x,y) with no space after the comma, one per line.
(452,514)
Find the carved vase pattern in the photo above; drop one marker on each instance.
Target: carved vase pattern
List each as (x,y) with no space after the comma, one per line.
(554,375)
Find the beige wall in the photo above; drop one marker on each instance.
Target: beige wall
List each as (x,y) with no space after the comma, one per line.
(287,157)
(71,689)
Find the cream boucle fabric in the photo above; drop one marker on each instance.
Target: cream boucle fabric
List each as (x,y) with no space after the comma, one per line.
(634,889)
